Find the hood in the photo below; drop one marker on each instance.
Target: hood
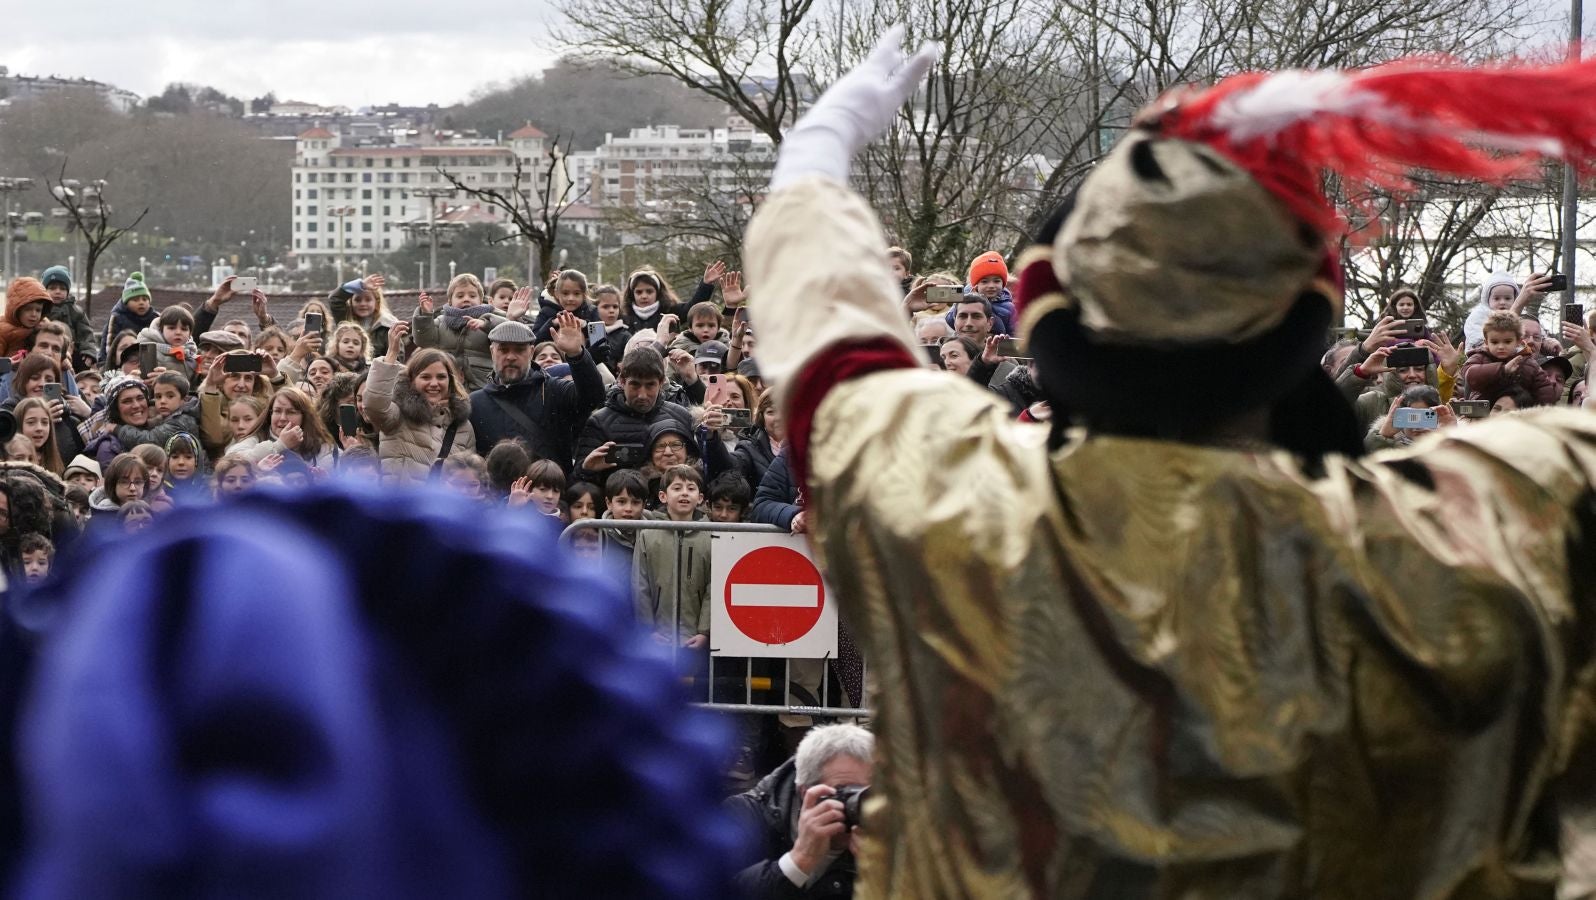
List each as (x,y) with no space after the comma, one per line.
(150,335)
(669,425)
(22,293)
(192,444)
(98,500)
(1491,281)
(1024,385)
(415,409)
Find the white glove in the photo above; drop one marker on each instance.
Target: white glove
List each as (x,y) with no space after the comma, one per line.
(854,111)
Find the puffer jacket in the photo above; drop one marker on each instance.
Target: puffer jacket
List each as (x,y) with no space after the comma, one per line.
(615,421)
(549,308)
(14,334)
(68,313)
(183,420)
(123,319)
(470,348)
(754,454)
(412,431)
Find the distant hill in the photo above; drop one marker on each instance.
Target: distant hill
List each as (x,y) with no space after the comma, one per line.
(582,102)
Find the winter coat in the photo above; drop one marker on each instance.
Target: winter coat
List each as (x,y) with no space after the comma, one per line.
(69,441)
(1487,378)
(612,347)
(767,813)
(101,505)
(1002,312)
(686,340)
(183,420)
(557,406)
(412,431)
(338,304)
(166,356)
(548,308)
(660,593)
(754,455)
(615,421)
(776,499)
(122,319)
(214,430)
(470,349)
(14,334)
(69,314)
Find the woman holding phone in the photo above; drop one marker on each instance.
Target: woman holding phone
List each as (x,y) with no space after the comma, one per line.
(421,410)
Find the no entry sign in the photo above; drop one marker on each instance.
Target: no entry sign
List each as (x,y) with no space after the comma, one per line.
(768,599)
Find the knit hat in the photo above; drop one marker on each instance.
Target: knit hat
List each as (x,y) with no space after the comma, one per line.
(120,383)
(23,291)
(82,463)
(1494,280)
(508,332)
(56,274)
(134,287)
(986,265)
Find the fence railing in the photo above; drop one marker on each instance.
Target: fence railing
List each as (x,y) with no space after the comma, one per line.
(812,691)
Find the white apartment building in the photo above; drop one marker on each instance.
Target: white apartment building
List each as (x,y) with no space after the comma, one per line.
(28,87)
(650,165)
(360,194)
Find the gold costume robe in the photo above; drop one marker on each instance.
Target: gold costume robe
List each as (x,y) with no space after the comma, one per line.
(1135,668)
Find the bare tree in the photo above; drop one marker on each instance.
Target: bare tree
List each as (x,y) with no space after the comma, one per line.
(92,222)
(537,221)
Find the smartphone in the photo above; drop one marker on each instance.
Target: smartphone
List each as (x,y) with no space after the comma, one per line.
(52,391)
(933,352)
(716,390)
(1471,409)
(1010,348)
(595,332)
(943,293)
(1574,312)
(1407,357)
(627,455)
(738,418)
(245,284)
(147,358)
(314,323)
(348,419)
(1411,328)
(1415,419)
(1559,283)
(739,315)
(240,362)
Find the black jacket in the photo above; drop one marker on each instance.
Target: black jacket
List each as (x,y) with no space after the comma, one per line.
(556,406)
(754,456)
(547,309)
(615,421)
(776,499)
(765,812)
(69,314)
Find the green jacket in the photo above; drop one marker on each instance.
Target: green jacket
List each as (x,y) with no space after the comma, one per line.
(655,587)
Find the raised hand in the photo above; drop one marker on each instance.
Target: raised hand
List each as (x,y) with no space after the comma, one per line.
(1444,351)
(272,461)
(520,302)
(714,271)
(425,305)
(521,491)
(682,362)
(731,289)
(374,282)
(854,111)
(257,303)
(569,337)
(396,339)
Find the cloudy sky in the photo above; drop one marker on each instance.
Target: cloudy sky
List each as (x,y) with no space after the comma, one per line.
(350,52)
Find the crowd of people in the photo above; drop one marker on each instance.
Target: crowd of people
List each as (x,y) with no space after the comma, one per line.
(579,401)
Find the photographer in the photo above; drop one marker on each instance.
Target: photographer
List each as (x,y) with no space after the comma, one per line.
(804,837)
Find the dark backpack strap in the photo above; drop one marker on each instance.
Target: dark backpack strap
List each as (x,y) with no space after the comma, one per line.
(444,448)
(517,415)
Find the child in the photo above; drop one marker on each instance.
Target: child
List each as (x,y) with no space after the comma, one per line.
(625,500)
(243,424)
(1504,362)
(351,348)
(675,604)
(989,277)
(460,329)
(729,498)
(703,325)
(136,516)
(89,382)
(506,463)
(185,470)
(26,303)
(542,486)
(126,480)
(172,413)
(155,461)
(77,501)
(233,476)
(172,336)
(902,265)
(500,293)
(607,300)
(361,302)
(83,471)
(648,299)
(466,475)
(37,555)
(569,289)
(131,313)
(361,463)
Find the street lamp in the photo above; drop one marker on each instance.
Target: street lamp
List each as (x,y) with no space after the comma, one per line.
(9,186)
(431,195)
(341,213)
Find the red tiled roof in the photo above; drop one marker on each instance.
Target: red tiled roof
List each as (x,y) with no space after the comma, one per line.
(415,150)
(315,134)
(526,131)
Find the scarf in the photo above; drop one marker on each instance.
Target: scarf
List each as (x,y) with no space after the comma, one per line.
(455,316)
(644,312)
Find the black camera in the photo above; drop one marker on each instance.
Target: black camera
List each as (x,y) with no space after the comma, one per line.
(8,426)
(852,798)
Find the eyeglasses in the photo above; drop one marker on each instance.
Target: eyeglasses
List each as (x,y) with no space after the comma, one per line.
(670,445)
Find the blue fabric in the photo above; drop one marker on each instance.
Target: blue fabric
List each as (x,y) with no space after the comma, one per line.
(776,497)
(346,694)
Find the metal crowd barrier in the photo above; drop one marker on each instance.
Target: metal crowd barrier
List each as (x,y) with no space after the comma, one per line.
(748,682)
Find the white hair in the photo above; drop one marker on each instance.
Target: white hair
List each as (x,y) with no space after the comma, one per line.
(930,322)
(827,742)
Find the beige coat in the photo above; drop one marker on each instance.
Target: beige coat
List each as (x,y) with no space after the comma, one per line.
(412,432)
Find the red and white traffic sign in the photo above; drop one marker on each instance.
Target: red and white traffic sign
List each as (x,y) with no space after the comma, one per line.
(769,599)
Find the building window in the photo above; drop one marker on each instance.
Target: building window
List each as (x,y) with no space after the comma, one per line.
(370,162)
(387,177)
(349,243)
(385,209)
(311,243)
(404,177)
(365,193)
(365,243)
(310,194)
(296,178)
(386,243)
(407,164)
(387,163)
(298,244)
(310,210)
(310,226)
(349,177)
(310,177)
(296,196)
(365,210)
(296,210)
(365,226)
(366,176)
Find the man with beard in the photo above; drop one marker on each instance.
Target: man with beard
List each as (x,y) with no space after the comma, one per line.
(522,402)
(633,406)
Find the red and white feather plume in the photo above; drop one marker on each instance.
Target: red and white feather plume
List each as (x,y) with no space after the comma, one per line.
(1373,126)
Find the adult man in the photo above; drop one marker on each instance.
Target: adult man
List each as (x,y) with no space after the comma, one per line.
(972,318)
(522,402)
(1194,648)
(633,405)
(800,834)
(63,308)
